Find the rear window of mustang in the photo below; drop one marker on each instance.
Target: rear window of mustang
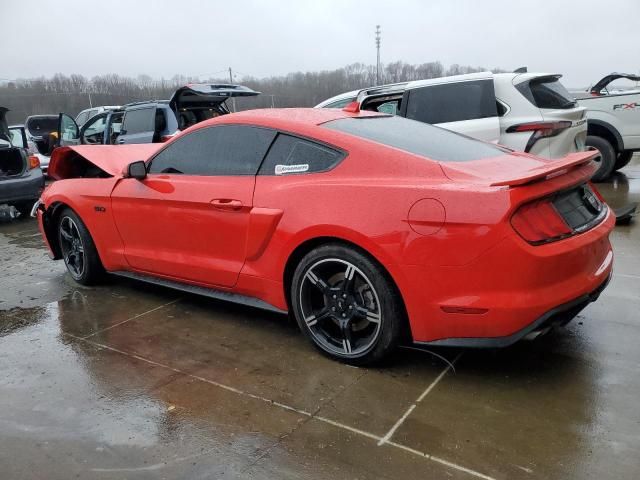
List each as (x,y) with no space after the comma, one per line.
(418,138)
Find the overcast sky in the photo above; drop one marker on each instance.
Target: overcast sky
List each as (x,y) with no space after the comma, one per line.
(582,39)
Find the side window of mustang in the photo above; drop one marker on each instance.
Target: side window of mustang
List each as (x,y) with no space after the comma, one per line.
(223,150)
(293,155)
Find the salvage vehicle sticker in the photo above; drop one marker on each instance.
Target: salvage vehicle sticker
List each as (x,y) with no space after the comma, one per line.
(283,169)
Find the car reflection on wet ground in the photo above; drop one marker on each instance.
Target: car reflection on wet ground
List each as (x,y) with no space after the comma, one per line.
(131,381)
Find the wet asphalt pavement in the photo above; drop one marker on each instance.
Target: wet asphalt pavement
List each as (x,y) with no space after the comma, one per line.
(129,381)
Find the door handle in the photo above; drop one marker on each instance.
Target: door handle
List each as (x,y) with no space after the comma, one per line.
(227,204)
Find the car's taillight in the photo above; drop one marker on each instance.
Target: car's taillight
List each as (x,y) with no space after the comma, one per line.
(34,162)
(539,222)
(540,130)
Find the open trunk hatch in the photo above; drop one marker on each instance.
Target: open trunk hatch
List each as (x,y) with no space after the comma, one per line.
(40,127)
(5,135)
(13,162)
(606,80)
(207,95)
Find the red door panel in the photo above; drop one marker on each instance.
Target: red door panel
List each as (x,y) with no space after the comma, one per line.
(186,227)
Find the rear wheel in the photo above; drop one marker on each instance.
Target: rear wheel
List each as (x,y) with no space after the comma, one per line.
(346,305)
(606,157)
(78,250)
(623,159)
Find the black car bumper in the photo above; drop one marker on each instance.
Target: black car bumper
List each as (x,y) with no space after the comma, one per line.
(21,189)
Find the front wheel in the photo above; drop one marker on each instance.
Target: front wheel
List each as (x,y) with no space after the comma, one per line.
(606,158)
(78,250)
(346,305)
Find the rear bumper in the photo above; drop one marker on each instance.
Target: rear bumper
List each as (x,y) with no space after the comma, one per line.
(561,315)
(25,188)
(510,290)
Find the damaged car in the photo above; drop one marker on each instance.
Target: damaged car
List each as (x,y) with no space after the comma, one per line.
(362,225)
(151,121)
(21,179)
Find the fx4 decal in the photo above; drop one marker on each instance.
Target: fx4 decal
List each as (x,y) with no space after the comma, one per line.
(626,106)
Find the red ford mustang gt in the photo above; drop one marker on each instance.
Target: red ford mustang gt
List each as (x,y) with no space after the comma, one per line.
(369,228)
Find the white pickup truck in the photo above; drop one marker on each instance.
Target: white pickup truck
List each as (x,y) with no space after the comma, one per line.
(613,118)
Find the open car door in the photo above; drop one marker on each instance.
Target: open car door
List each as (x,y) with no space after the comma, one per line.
(68,131)
(197,102)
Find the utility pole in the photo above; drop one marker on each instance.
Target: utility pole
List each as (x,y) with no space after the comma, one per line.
(233,100)
(378,32)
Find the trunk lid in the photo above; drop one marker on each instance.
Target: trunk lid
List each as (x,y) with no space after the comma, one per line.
(607,79)
(520,169)
(207,95)
(5,136)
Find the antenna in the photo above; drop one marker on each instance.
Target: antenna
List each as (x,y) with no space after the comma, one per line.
(378,38)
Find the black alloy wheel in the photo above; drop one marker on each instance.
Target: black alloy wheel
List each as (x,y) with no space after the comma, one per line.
(346,306)
(72,247)
(78,249)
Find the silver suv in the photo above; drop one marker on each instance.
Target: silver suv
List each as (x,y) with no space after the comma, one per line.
(530,112)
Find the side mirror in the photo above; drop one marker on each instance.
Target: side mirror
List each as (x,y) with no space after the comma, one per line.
(137,170)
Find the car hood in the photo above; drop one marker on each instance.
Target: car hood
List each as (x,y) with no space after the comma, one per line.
(4,127)
(112,159)
(515,169)
(207,95)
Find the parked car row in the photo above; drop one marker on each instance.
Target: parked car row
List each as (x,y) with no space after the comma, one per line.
(530,112)
(151,121)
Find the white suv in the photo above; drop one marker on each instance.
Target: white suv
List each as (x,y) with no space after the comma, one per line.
(530,112)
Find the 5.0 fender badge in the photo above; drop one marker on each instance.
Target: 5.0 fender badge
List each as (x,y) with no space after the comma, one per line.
(99,208)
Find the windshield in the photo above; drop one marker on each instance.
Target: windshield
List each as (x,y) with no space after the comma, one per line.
(418,138)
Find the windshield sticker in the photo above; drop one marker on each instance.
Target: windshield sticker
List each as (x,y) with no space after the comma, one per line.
(284,169)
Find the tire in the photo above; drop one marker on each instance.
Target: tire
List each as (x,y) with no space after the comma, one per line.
(346,305)
(606,160)
(623,159)
(78,249)
(25,209)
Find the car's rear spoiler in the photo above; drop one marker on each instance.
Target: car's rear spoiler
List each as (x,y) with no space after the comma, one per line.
(549,170)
